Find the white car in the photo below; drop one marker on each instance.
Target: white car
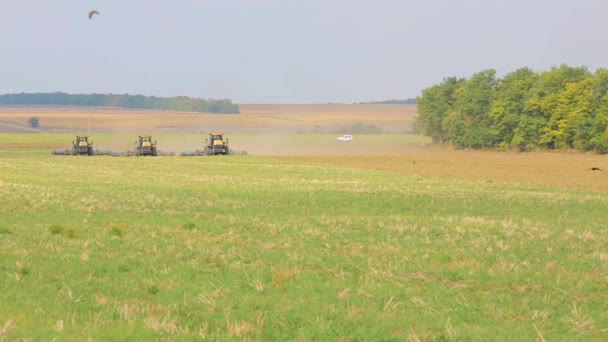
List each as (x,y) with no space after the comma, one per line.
(346,137)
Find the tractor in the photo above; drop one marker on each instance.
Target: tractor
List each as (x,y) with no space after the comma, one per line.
(145,146)
(82,145)
(216,144)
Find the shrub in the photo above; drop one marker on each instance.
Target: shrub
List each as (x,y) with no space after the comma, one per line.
(153,289)
(56,229)
(116,232)
(189,226)
(24,270)
(33,121)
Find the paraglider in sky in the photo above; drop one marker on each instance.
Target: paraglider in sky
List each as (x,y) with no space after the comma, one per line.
(92,13)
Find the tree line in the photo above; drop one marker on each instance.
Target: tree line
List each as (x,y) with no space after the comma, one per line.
(562,108)
(180,103)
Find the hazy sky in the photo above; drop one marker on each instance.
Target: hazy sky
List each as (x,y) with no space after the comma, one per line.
(288,51)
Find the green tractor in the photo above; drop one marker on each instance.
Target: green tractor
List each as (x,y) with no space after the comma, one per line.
(82,145)
(145,146)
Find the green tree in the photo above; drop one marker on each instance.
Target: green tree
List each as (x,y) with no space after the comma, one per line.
(508,109)
(546,98)
(527,134)
(599,141)
(474,102)
(434,106)
(33,121)
(600,87)
(570,123)
(564,107)
(454,125)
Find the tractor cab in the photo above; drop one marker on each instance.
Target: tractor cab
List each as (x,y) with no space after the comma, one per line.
(82,140)
(145,139)
(216,138)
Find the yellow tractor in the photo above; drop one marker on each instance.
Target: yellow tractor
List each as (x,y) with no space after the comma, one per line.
(216,144)
(145,146)
(82,145)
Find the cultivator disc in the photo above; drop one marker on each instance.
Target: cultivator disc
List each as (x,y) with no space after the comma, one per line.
(62,152)
(102,152)
(188,153)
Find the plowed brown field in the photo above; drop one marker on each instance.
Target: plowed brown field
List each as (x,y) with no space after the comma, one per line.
(566,170)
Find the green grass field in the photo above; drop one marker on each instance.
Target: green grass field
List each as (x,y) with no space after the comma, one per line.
(270,248)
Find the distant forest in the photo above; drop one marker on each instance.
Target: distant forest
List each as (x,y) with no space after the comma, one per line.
(408,101)
(180,103)
(562,108)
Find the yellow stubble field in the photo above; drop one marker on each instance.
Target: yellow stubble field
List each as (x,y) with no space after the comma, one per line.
(254,118)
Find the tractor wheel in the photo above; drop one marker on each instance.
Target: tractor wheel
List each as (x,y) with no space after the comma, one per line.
(90,151)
